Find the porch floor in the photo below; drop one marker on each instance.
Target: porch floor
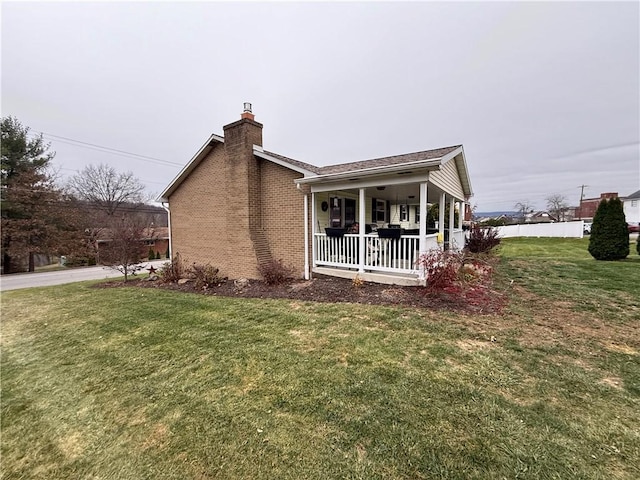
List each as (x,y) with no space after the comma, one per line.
(376,277)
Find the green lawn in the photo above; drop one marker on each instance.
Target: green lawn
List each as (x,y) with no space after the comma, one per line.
(127,383)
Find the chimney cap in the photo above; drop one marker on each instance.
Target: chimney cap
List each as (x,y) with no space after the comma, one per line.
(247,107)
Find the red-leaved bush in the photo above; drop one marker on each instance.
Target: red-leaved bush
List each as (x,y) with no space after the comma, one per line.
(441,267)
(482,239)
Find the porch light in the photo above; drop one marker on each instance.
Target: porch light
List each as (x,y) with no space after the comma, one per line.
(380,188)
(247,107)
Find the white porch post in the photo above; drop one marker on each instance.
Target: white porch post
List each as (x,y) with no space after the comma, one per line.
(423,226)
(362,254)
(461,210)
(452,226)
(441,207)
(306,236)
(313,229)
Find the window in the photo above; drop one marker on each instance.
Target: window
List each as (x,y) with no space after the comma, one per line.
(380,211)
(404,213)
(335,214)
(417,207)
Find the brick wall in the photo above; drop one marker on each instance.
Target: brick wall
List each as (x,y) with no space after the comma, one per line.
(235,210)
(588,206)
(198,213)
(283,215)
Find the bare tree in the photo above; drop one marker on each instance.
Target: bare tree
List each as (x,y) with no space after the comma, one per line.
(106,189)
(124,247)
(557,204)
(523,207)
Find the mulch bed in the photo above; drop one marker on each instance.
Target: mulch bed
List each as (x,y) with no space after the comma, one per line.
(474,298)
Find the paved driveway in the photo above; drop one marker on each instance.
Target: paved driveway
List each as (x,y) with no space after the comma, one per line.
(43,279)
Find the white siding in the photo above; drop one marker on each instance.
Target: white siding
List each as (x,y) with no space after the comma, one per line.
(448,179)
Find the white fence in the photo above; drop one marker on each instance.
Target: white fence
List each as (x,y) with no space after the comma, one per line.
(561,229)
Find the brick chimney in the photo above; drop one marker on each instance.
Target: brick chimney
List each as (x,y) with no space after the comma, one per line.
(243,186)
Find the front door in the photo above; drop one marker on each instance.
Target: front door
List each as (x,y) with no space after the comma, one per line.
(349,211)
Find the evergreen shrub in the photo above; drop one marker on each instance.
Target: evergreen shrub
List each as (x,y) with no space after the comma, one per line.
(609,238)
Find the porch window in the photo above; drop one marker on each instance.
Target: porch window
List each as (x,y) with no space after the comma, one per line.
(343,211)
(380,210)
(417,215)
(335,214)
(404,213)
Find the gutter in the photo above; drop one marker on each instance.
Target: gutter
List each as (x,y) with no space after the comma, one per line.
(169,225)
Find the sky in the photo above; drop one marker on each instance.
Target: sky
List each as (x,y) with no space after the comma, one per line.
(544,96)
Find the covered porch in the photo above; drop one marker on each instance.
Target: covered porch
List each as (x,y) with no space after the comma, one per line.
(376,223)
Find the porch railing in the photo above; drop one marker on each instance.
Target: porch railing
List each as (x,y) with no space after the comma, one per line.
(381,254)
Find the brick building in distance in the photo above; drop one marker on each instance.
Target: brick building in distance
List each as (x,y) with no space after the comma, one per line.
(588,206)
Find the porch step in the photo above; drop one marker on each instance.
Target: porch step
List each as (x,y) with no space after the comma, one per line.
(386,278)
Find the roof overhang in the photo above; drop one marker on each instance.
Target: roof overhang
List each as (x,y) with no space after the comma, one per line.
(353,175)
(189,167)
(463,171)
(401,173)
(258,151)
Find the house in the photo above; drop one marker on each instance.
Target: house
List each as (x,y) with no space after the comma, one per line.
(237,206)
(152,238)
(631,206)
(539,217)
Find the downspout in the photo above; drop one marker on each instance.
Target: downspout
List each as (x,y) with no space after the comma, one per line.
(170,232)
(306,236)
(305,203)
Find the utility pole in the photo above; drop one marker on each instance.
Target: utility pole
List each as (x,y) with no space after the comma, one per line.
(581,187)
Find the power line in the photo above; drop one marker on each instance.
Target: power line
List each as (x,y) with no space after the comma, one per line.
(113,151)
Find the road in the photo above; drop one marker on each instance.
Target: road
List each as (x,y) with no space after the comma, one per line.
(44,279)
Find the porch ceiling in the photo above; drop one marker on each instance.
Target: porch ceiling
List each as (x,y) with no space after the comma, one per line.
(398,194)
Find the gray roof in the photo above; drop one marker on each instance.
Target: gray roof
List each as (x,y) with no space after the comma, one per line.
(297,163)
(634,195)
(387,161)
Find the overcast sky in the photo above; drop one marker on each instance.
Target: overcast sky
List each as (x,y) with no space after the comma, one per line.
(543,96)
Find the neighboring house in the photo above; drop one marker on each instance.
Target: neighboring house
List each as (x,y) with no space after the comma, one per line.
(238,206)
(156,238)
(539,217)
(632,207)
(567,214)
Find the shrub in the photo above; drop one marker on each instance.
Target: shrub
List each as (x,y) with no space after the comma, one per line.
(441,267)
(157,255)
(357,282)
(171,272)
(152,254)
(166,255)
(205,276)
(609,238)
(638,244)
(275,272)
(482,239)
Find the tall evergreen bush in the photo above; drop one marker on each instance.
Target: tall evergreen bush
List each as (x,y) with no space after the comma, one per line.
(609,233)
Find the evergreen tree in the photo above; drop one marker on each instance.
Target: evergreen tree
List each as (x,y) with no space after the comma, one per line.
(609,233)
(27,193)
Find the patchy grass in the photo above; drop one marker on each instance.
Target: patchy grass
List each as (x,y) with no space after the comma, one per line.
(562,270)
(155,384)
